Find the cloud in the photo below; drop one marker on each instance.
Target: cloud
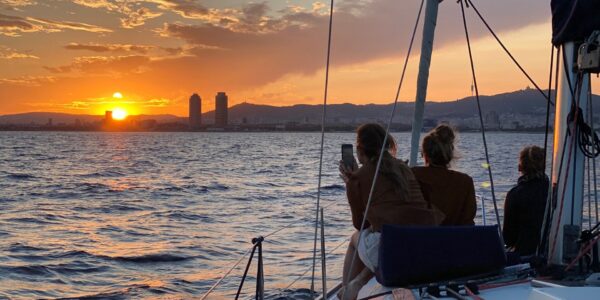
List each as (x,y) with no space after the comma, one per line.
(142,49)
(15,4)
(92,103)
(28,81)
(133,15)
(138,17)
(8,53)
(14,26)
(104,65)
(262,48)
(98,4)
(249,47)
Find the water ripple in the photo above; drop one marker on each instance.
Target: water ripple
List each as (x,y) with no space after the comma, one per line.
(163,215)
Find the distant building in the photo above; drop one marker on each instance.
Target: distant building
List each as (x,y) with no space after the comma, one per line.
(195,111)
(221,109)
(108,117)
(492,120)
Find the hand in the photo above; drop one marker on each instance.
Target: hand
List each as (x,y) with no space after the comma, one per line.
(345,171)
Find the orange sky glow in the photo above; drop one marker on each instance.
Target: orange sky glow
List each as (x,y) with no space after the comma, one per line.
(149,56)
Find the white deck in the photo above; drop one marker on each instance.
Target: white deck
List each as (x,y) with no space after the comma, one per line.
(517,291)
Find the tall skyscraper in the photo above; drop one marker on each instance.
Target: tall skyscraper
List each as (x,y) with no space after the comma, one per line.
(108,117)
(195,111)
(221,109)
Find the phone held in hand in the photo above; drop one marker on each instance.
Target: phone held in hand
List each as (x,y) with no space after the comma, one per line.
(348,155)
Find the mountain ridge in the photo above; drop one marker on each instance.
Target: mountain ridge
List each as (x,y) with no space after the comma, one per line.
(517,105)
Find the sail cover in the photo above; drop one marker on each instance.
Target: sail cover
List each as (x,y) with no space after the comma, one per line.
(574,20)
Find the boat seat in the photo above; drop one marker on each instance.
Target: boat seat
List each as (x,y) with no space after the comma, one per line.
(416,255)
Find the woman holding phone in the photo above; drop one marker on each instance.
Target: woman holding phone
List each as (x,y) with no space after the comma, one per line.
(396,199)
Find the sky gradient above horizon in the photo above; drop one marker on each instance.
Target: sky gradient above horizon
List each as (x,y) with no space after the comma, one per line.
(72,56)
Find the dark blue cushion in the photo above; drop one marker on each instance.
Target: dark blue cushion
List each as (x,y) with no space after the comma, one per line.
(413,255)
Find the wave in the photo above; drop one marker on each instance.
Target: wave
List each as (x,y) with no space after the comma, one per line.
(79,255)
(180,215)
(333,187)
(150,258)
(106,173)
(76,267)
(287,294)
(20,176)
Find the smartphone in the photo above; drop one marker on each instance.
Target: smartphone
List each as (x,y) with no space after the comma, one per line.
(348,155)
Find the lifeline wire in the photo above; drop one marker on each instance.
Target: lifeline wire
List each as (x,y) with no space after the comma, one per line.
(487,157)
(312,284)
(387,130)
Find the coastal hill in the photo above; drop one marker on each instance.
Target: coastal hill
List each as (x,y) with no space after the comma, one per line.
(525,106)
(520,109)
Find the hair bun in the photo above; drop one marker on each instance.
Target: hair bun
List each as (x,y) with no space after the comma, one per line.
(445,134)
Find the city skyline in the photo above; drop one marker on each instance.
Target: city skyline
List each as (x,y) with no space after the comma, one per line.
(76,56)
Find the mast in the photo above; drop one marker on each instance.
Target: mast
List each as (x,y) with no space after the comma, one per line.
(568,176)
(431,12)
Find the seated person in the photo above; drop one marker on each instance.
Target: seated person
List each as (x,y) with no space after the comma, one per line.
(525,203)
(450,191)
(396,199)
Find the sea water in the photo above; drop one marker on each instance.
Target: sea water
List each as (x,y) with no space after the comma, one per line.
(165,215)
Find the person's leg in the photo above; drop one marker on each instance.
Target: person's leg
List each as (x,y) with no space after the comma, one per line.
(351,254)
(354,286)
(358,266)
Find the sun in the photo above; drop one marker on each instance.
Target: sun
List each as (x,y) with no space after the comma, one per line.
(119,114)
(118,95)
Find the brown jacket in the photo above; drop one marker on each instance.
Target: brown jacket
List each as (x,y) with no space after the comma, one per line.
(450,191)
(387,206)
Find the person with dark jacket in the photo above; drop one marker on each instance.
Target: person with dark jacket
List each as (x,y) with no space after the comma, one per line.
(525,203)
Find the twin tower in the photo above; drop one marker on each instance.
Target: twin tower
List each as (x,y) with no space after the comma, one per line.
(220,110)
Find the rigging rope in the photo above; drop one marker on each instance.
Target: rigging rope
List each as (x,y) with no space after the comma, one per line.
(308,269)
(593,160)
(547,97)
(387,130)
(548,210)
(312,284)
(487,157)
(290,224)
(548,104)
(212,288)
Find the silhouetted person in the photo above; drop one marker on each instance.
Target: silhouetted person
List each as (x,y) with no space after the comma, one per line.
(525,203)
(450,191)
(397,199)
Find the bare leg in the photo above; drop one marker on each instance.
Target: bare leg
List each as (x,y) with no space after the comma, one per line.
(358,266)
(354,286)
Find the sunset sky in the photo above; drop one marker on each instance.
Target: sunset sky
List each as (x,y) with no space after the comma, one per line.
(72,56)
